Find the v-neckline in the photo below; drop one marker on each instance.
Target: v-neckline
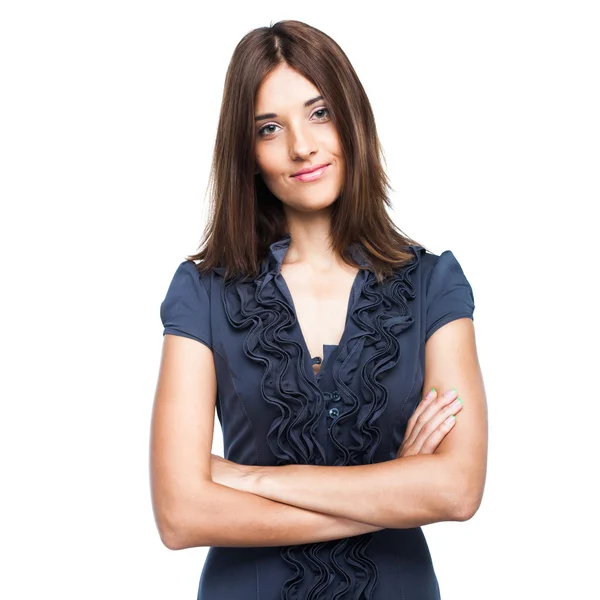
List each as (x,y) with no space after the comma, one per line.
(306,356)
(274,260)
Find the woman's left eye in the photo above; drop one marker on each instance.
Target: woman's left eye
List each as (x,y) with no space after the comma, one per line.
(321,110)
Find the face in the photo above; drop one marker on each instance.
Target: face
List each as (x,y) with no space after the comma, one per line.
(295,132)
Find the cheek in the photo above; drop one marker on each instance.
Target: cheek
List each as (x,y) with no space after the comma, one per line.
(269,163)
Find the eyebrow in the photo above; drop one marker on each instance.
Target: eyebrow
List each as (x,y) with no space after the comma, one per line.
(274,116)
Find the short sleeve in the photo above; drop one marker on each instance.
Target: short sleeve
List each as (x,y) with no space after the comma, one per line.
(449,294)
(185,310)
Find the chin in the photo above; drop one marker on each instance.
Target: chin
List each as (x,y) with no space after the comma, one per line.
(315,203)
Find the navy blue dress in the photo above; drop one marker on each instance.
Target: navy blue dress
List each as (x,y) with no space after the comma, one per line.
(274,410)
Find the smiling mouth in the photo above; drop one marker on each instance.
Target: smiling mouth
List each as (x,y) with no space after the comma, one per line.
(313,175)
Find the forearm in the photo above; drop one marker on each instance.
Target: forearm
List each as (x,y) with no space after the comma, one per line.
(221,516)
(402,493)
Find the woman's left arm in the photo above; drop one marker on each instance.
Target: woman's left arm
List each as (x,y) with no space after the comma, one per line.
(409,491)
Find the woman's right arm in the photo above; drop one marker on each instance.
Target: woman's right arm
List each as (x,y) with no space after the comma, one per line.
(189,508)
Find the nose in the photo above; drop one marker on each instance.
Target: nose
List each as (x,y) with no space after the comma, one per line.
(302,142)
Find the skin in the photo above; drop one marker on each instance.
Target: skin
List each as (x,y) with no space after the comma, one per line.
(299,137)
(200,499)
(413,489)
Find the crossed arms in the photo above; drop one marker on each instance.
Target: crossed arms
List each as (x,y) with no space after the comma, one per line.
(203,500)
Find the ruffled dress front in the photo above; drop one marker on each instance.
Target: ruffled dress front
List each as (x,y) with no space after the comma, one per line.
(274,410)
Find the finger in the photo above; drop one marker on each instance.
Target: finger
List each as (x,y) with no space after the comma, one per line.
(430,408)
(439,433)
(435,423)
(440,402)
(423,404)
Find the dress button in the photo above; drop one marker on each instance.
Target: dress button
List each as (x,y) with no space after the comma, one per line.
(316,360)
(335,396)
(334,412)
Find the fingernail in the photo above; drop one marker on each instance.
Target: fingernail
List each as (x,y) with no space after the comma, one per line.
(431,393)
(450,420)
(451,393)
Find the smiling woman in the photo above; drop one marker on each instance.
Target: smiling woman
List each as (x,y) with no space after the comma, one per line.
(296,128)
(317,331)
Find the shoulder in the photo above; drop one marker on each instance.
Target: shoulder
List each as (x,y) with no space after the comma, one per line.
(430,261)
(187,269)
(185,309)
(188,279)
(440,269)
(448,294)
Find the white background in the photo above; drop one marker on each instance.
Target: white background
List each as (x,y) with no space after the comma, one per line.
(489,117)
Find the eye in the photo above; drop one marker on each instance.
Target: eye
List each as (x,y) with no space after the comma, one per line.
(262,132)
(265,132)
(321,110)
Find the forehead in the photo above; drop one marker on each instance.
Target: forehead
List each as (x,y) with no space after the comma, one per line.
(284,88)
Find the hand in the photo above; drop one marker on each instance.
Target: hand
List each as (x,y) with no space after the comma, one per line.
(226,472)
(427,426)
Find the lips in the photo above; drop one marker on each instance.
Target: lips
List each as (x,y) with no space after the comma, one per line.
(309,170)
(312,175)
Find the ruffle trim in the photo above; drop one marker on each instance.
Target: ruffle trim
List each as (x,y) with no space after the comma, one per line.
(337,569)
(380,314)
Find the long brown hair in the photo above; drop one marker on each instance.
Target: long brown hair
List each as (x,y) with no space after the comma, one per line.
(244,216)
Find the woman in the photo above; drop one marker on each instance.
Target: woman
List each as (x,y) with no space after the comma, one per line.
(315,329)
